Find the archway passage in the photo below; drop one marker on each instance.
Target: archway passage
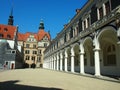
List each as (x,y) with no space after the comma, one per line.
(77,58)
(88,56)
(109,54)
(69,59)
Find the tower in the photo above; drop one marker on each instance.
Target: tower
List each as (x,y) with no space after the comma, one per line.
(10,20)
(41,25)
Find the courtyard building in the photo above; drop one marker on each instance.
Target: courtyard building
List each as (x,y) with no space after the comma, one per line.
(33,46)
(90,42)
(10,56)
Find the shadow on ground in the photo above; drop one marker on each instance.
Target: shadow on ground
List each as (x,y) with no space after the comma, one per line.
(11,85)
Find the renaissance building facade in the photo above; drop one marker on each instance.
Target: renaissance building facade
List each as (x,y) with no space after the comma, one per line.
(33,46)
(90,42)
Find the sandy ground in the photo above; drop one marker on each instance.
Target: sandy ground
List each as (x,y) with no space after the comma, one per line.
(42,79)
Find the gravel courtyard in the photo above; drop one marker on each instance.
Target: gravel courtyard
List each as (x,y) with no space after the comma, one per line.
(42,79)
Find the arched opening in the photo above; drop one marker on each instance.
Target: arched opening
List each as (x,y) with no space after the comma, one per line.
(88,55)
(63,61)
(69,59)
(76,58)
(109,53)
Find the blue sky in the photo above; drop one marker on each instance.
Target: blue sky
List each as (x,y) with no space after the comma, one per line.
(28,13)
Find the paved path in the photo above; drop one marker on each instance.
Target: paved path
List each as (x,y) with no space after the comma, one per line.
(42,79)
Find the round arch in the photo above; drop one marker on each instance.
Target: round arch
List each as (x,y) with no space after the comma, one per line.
(76,49)
(108,39)
(88,55)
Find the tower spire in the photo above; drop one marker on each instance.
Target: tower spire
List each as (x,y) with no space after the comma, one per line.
(41,24)
(10,20)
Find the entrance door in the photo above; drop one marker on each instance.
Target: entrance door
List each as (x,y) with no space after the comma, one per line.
(12,66)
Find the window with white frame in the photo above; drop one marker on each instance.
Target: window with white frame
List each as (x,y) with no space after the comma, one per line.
(86,22)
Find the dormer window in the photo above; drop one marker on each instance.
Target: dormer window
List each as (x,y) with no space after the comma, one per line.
(8,36)
(1,35)
(5,29)
(45,44)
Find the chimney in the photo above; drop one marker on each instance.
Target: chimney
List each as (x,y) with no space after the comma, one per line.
(65,25)
(77,11)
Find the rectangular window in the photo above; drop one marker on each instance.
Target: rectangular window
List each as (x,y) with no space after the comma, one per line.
(39,59)
(88,21)
(27,45)
(33,58)
(27,51)
(34,52)
(71,32)
(45,44)
(34,46)
(84,24)
(101,12)
(107,7)
(27,58)
(39,51)
(93,14)
(80,26)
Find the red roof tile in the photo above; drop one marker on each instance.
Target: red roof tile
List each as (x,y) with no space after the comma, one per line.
(38,36)
(42,34)
(7,31)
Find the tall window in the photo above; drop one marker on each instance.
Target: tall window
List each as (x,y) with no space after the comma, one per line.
(101,12)
(39,59)
(71,32)
(27,45)
(39,51)
(27,58)
(34,46)
(34,52)
(45,44)
(27,51)
(86,22)
(110,57)
(33,58)
(107,7)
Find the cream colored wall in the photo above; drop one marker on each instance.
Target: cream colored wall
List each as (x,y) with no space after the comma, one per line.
(31,49)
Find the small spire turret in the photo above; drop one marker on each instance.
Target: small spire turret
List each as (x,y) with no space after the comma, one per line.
(10,20)
(41,25)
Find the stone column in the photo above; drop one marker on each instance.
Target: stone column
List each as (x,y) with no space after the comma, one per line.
(72,60)
(54,62)
(97,62)
(50,63)
(61,59)
(66,57)
(57,61)
(96,56)
(81,59)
